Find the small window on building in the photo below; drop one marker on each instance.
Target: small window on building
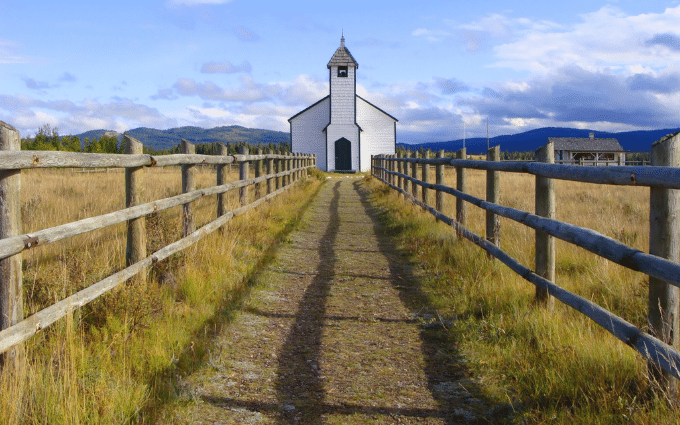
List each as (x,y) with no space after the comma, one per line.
(342,71)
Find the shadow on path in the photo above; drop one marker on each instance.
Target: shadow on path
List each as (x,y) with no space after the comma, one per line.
(456,396)
(299,387)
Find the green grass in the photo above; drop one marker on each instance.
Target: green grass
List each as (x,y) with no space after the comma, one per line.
(557,367)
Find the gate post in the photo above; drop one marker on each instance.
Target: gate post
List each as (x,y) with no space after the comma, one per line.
(136,228)
(461,206)
(545,244)
(188,184)
(258,173)
(426,178)
(244,168)
(493,222)
(221,180)
(406,167)
(270,170)
(414,174)
(664,242)
(11,276)
(439,179)
(400,170)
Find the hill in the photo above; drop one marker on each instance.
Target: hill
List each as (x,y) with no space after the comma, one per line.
(632,141)
(166,139)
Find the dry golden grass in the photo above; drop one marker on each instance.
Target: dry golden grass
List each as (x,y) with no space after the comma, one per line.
(117,358)
(559,367)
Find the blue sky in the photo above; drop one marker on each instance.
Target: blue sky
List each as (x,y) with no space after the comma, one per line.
(436,66)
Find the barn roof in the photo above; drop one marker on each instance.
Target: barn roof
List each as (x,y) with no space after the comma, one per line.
(342,57)
(585,144)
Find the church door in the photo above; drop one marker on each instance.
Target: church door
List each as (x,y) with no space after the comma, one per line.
(343,155)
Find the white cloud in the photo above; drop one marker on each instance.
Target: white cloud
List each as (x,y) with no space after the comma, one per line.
(304,90)
(28,114)
(8,55)
(248,92)
(430,35)
(604,39)
(225,67)
(246,34)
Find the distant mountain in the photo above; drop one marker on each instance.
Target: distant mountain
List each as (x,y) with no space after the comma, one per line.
(166,139)
(632,141)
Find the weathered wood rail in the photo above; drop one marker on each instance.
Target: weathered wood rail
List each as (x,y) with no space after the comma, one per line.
(659,346)
(279,173)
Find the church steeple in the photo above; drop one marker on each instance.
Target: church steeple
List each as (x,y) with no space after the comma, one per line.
(342,56)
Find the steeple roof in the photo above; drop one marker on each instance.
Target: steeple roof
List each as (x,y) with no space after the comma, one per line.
(342,56)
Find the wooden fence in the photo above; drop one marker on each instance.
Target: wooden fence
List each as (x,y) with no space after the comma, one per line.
(273,174)
(661,264)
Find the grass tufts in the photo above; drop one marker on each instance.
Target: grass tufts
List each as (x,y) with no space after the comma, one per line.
(557,367)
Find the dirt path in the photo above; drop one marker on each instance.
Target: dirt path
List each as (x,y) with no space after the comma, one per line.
(336,333)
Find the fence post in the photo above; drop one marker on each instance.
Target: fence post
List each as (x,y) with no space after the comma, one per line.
(222,180)
(664,241)
(243,172)
(439,179)
(284,168)
(270,170)
(426,178)
(11,277)
(407,166)
(290,168)
(395,164)
(277,169)
(188,184)
(545,244)
(296,166)
(400,169)
(136,228)
(414,174)
(493,222)
(258,173)
(461,185)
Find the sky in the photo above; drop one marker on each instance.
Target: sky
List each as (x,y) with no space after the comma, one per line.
(441,68)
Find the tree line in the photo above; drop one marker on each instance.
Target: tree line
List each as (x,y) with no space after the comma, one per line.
(48,139)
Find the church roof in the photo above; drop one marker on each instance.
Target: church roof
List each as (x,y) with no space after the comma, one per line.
(342,57)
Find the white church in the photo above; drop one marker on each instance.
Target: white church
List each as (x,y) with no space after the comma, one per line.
(343,130)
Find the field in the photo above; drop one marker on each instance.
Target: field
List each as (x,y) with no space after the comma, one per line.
(557,367)
(121,356)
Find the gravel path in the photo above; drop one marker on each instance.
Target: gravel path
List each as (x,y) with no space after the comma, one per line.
(336,332)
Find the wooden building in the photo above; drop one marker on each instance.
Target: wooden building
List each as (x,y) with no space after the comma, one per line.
(343,130)
(588,151)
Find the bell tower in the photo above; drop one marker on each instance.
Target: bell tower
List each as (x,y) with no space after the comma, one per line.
(342,134)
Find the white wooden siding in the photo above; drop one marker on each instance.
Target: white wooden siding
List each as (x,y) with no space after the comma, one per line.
(378,136)
(342,96)
(307,133)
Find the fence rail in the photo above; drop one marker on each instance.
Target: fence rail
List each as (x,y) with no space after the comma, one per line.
(281,172)
(661,264)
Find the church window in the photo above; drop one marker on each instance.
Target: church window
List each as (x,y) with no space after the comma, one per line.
(342,71)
